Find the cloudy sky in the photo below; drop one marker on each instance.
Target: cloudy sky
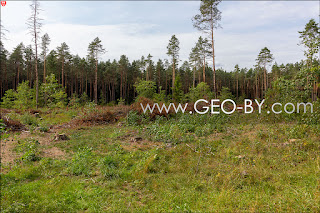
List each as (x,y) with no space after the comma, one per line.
(137,28)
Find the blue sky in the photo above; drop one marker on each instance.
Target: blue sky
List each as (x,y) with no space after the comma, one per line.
(137,28)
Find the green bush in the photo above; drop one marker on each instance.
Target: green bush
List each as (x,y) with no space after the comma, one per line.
(177,93)
(225,94)
(8,99)
(28,119)
(74,101)
(30,150)
(51,94)
(202,90)
(25,96)
(133,118)
(145,88)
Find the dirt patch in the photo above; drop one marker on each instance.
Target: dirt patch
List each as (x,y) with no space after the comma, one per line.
(8,155)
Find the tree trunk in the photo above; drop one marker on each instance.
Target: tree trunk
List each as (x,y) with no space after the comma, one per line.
(36,65)
(44,68)
(173,73)
(18,75)
(204,70)
(194,77)
(213,64)
(62,73)
(265,80)
(96,83)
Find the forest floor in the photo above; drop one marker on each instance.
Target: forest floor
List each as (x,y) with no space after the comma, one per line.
(96,161)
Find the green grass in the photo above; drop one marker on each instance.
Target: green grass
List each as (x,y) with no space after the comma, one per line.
(238,163)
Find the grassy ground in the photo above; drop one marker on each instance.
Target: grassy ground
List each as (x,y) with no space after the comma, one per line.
(188,163)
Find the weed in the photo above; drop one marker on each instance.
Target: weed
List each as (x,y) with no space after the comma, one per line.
(30,150)
(82,162)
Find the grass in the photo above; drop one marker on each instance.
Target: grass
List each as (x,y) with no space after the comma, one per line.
(187,163)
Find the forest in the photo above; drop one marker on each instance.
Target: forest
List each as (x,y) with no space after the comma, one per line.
(74,137)
(108,82)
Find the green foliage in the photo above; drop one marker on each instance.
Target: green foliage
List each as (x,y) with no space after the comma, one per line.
(209,16)
(2,126)
(264,57)
(201,91)
(28,119)
(160,97)
(30,150)
(133,118)
(52,93)
(84,99)
(25,96)
(173,48)
(145,89)
(74,101)
(8,99)
(82,162)
(295,90)
(311,39)
(225,94)
(121,101)
(109,167)
(177,93)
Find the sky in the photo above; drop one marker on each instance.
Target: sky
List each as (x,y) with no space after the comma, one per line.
(136,28)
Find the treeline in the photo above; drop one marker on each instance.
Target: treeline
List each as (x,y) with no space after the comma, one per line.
(116,79)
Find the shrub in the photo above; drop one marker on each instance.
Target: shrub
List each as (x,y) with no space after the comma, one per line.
(225,94)
(121,101)
(133,118)
(52,93)
(145,89)
(201,91)
(177,93)
(25,96)
(28,119)
(8,99)
(30,149)
(74,101)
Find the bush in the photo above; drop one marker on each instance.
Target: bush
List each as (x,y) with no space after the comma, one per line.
(74,101)
(25,96)
(8,99)
(133,118)
(30,148)
(201,91)
(28,119)
(121,101)
(52,93)
(177,93)
(145,89)
(225,94)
